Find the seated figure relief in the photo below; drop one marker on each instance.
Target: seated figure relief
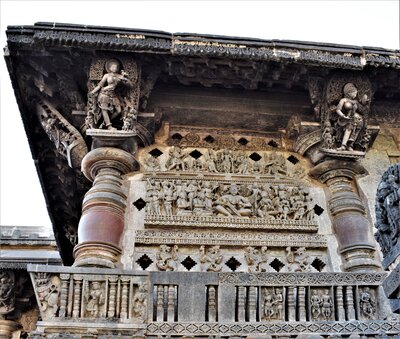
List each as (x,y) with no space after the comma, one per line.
(205,198)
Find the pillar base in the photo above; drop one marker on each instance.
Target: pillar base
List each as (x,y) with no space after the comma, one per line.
(96,254)
(360,258)
(7,327)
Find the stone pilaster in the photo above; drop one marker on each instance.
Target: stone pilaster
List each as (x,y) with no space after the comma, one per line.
(351,226)
(102,221)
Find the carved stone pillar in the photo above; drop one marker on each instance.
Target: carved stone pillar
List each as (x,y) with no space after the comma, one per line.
(352,228)
(102,221)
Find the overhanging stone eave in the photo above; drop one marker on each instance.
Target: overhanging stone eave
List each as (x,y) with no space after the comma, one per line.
(189,44)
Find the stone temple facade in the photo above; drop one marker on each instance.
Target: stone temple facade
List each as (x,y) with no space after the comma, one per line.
(208,186)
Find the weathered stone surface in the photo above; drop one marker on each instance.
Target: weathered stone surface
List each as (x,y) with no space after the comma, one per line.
(232,184)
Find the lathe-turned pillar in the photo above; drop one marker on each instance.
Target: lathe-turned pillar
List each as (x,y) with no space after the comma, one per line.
(102,221)
(352,228)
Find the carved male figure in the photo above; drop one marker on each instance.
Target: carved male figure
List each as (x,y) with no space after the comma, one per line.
(233,204)
(167,258)
(212,260)
(326,302)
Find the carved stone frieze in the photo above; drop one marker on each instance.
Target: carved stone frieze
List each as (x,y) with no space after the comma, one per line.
(191,136)
(212,202)
(89,296)
(320,279)
(202,237)
(224,161)
(225,259)
(277,328)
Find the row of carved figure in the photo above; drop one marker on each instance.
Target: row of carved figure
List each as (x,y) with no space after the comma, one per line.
(212,259)
(89,298)
(320,301)
(388,210)
(223,161)
(270,201)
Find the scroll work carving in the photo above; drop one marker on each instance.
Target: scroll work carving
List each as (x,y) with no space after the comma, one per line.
(114,90)
(66,138)
(387,209)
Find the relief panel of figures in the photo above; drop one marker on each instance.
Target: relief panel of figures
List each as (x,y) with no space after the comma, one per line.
(222,259)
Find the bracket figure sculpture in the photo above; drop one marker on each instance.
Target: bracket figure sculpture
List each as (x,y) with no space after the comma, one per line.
(113,97)
(350,114)
(344,118)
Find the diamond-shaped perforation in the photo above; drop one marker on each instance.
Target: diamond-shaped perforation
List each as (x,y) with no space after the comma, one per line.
(209,139)
(177,136)
(195,154)
(318,209)
(277,265)
(139,203)
(273,143)
(255,156)
(155,152)
(144,261)
(189,263)
(233,264)
(293,159)
(243,141)
(318,264)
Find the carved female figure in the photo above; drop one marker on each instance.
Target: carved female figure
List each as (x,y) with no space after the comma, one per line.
(315,305)
(269,302)
(350,117)
(279,303)
(367,304)
(169,196)
(95,300)
(108,100)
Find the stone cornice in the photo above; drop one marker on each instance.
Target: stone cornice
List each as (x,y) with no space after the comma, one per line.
(184,44)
